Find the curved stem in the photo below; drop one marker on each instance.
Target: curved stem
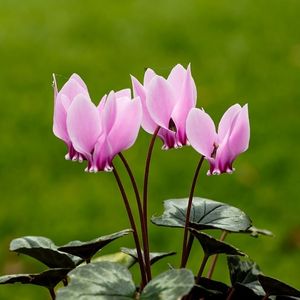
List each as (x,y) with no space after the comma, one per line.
(204,261)
(138,198)
(52,293)
(230,293)
(145,202)
(133,226)
(188,213)
(215,257)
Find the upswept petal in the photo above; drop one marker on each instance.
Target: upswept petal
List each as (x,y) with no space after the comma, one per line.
(126,126)
(160,100)
(123,93)
(109,112)
(227,120)
(73,87)
(186,102)
(59,122)
(102,104)
(78,79)
(149,75)
(83,125)
(201,131)
(177,77)
(138,91)
(239,136)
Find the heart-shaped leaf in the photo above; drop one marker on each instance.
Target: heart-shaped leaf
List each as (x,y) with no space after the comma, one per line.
(245,273)
(170,285)
(210,288)
(45,251)
(48,279)
(101,281)
(154,256)
(205,214)
(118,257)
(212,246)
(107,280)
(274,287)
(86,250)
(256,232)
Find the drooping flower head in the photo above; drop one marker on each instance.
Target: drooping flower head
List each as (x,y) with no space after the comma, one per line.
(166,103)
(62,101)
(220,147)
(100,132)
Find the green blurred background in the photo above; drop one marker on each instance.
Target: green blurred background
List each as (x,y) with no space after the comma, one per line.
(241,51)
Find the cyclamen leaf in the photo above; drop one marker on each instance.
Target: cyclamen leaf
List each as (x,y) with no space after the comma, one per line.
(86,250)
(170,285)
(154,256)
(106,281)
(205,214)
(45,251)
(274,287)
(245,273)
(48,279)
(212,246)
(101,281)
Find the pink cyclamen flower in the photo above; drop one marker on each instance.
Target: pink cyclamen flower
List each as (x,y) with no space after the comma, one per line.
(100,132)
(166,103)
(62,101)
(220,147)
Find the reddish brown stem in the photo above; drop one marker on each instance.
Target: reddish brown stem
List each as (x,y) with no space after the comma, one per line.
(215,257)
(133,226)
(188,213)
(145,202)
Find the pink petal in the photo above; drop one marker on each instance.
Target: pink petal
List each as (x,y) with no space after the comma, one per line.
(102,104)
(138,91)
(59,122)
(240,133)
(126,126)
(78,79)
(109,112)
(177,77)
(185,103)
(201,131)
(73,87)
(149,75)
(227,119)
(123,93)
(160,100)
(83,124)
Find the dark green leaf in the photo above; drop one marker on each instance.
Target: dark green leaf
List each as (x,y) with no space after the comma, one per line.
(45,251)
(212,246)
(48,279)
(86,250)
(255,232)
(274,287)
(244,273)
(154,256)
(170,285)
(210,288)
(205,214)
(101,281)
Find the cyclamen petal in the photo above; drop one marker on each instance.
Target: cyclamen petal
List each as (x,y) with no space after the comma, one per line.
(221,148)
(166,104)
(201,132)
(62,100)
(160,101)
(84,125)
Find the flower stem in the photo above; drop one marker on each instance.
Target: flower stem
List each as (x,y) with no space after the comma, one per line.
(52,293)
(138,198)
(187,219)
(266,297)
(232,290)
(145,202)
(215,257)
(204,261)
(133,226)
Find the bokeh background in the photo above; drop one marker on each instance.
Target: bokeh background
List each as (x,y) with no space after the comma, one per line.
(241,51)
